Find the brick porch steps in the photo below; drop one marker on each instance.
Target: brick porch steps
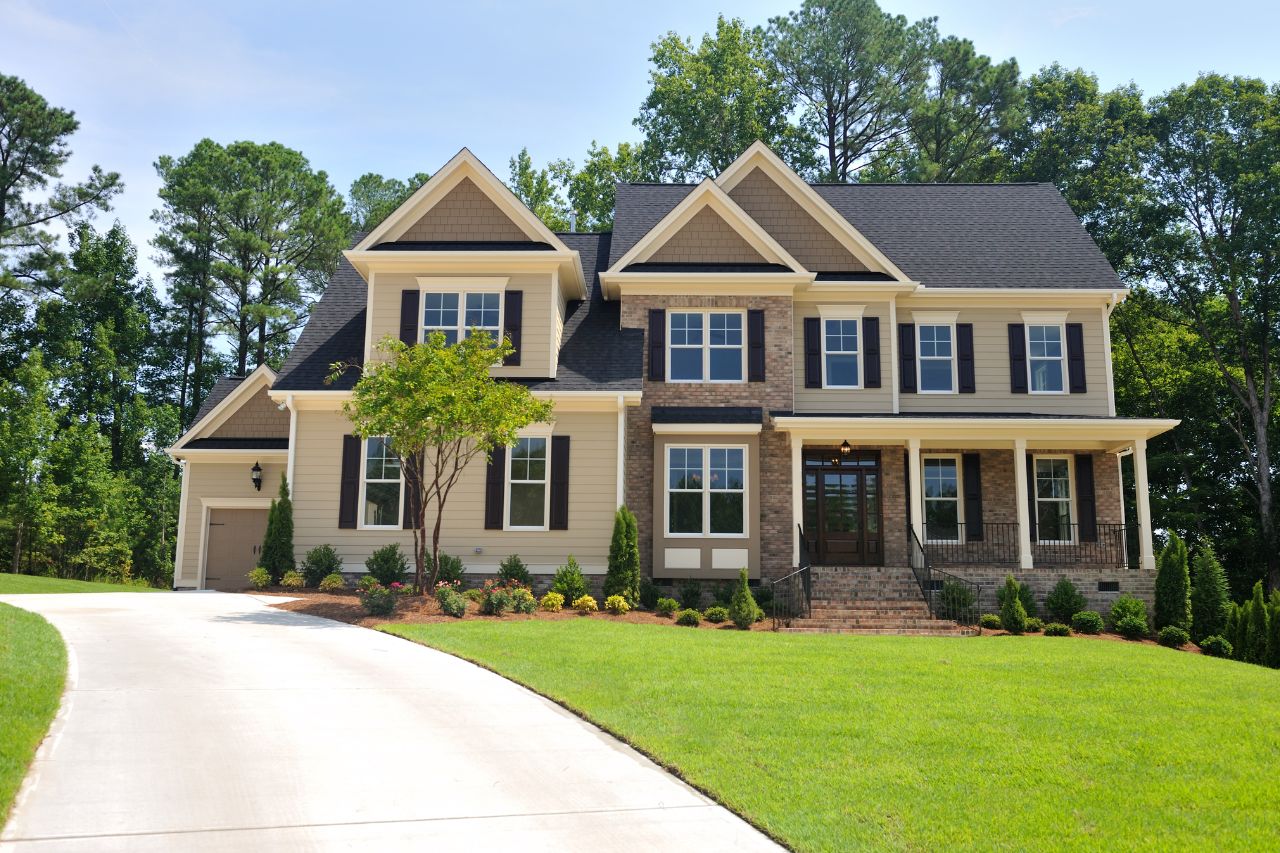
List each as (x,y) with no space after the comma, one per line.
(870,600)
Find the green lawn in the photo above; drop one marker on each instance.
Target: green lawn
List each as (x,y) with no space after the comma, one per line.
(839,742)
(33,667)
(13,584)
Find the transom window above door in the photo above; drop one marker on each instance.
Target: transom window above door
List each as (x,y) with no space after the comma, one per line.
(705,346)
(455,315)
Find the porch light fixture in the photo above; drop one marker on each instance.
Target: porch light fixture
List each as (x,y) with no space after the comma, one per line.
(845,449)
(255,473)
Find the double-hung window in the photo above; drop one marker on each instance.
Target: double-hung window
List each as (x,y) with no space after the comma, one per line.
(1045,358)
(706,491)
(705,346)
(527,483)
(456,314)
(941,499)
(840,361)
(936,358)
(381,498)
(1053,498)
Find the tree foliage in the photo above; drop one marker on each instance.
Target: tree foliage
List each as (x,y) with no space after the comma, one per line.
(623,574)
(1210,602)
(277,543)
(1173,586)
(372,198)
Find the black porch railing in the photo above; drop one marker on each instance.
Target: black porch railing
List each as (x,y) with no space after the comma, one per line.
(793,593)
(946,595)
(1073,544)
(972,544)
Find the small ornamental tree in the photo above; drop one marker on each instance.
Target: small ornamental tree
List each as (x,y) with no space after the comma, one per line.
(1013,616)
(277,545)
(1173,586)
(623,575)
(1255,637)
(1210,603)
(743,609)
(439,408)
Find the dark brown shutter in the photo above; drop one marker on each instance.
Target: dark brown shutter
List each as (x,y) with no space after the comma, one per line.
(1075,358)
(559,482)
(495,485)
(871,347)
(1031,496)
(1086,504)
(755,345)
(964,358)
(907,358)
(349,484)
(812,352)
(657,345)
(512,311)
(409,316)
(1017,358)
(973,529)
(413,492)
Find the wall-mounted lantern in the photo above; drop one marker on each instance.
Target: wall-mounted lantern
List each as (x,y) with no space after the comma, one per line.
(256,474)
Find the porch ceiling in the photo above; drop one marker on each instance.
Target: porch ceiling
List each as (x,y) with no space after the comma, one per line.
(1040,433)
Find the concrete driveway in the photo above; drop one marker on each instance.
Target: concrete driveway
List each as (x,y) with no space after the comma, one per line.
(210,721)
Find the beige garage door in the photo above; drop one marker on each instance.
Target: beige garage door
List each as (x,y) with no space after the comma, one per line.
(235,543)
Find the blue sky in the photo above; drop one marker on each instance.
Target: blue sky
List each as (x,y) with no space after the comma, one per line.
(399,87)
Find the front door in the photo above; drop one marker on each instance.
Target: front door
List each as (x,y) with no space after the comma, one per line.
(842,496)
(234,547)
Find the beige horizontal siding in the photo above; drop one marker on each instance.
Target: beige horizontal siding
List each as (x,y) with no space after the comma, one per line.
(225,480)
(538,320)
(840,400)
(592,501)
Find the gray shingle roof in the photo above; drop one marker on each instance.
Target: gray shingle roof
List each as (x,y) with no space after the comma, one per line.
(943,235)
(334,332)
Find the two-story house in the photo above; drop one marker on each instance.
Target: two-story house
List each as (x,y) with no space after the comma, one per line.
(767,372)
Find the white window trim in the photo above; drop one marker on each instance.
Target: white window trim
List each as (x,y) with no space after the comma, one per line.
(1071,498)
(544,434)
(706,491)
(462,287)
(1062,359)
(706,346)
(924,501)
(842,312)
(364,470)
(949,321)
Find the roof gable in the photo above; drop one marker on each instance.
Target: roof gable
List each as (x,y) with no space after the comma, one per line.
(245,394)
(706,238)
(465,213)
(791,225)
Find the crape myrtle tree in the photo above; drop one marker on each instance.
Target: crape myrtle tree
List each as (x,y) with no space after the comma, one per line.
(439,409)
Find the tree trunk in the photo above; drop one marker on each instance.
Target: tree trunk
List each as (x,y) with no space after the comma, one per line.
(262,342)
(17,546)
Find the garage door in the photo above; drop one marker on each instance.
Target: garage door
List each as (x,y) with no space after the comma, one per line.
(235,543)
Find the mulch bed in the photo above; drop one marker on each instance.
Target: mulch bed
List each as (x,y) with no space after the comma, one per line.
(345,607)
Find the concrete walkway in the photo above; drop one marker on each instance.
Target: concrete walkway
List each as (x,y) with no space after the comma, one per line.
(209,721)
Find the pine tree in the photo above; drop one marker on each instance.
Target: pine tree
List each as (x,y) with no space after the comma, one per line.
(743,609)
(277,546)
(1256,633)
(1210,603)
(623,575)
(1273,635)
(1013,616)
(1232,631)
(1173,593)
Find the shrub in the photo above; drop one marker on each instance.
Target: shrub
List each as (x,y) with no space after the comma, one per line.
(332,583)
(450,570)
(1128,607)
(387,565)
(498,597)
(379,600)
(1273,638)
(1131,627)
(1056,629)
(955,600)
(1210,602)
(764,595)
(616,604)
(1034,624)
(688,617)
(1240,630)
(1173,637)
(1013,614)
(623,574)
(569,581)
(552,602)
(666,606)
(1255,638)
(1022,592)
(690,594)
(293,580)
(715,614)
(451,601)
(743,609)
(1087,622)
(990,621)
(522,600)
(1215,646)
(1064,601)
(320,562)
(722,594)
(260,578)
(474,594)
(585,604)
(514,569)
(366,581)
(277,545)
(649,594)
(1173,586)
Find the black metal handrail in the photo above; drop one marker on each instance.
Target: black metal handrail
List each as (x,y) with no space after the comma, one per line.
(946,595)
(1068,544)
(792,594)
(972,544)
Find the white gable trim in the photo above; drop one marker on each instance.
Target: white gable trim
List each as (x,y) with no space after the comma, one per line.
(707,194)
(261,377)
(758,155)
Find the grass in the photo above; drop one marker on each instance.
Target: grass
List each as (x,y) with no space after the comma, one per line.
(838,742)
(33,668)
(17,584)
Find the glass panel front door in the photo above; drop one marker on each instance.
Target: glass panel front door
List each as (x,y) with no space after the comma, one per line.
(842,509)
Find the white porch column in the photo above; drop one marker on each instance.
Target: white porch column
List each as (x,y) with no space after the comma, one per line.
(1023,500)
(915,486)
(797,497)
(1145,547)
